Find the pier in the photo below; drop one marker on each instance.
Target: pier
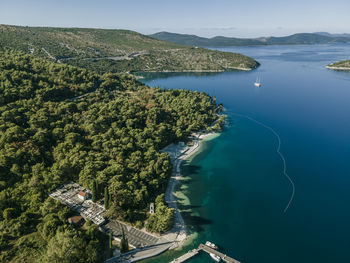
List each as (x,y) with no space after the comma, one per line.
(207,249)
(221,255)
(186,256)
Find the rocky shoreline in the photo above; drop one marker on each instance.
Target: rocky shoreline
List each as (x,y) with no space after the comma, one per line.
(338,68)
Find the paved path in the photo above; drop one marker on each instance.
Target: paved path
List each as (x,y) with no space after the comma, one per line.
(48,54)
(140,254)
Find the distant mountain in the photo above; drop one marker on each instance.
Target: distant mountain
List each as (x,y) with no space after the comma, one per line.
(332,35)
(113,50)
(301,38)
(194,40)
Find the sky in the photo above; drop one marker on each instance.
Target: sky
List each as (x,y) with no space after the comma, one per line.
(235,18)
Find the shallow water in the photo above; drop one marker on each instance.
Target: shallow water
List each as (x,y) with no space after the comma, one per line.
(236,189)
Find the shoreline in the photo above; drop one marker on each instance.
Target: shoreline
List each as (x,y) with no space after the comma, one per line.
(179,234)
(338,68)
(199,70)
(192,71)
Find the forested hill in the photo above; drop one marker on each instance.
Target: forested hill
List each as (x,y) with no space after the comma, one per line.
(111,50)
(110,138)
(219,41)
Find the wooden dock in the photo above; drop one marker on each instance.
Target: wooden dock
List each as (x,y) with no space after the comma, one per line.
(186,256)
(207,249)
(221,255)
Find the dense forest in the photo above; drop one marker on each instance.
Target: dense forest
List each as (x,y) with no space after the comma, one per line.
(61,123)
(112,50)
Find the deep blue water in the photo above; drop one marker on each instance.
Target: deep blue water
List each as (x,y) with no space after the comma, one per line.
(236,187)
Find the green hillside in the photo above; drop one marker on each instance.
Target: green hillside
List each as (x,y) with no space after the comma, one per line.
(110,137)
(219,41)
(110,50)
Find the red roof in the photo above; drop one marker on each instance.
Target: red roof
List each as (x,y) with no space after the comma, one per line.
(81,193)
(75,219)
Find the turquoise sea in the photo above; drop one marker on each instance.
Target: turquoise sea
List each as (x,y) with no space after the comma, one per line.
(235,191)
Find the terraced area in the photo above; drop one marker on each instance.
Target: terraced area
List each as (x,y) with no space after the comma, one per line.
(135,237)
(68,195)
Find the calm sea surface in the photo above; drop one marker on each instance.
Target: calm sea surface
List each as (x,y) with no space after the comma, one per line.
(235,191)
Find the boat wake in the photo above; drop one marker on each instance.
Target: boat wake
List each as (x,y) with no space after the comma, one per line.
(279,153)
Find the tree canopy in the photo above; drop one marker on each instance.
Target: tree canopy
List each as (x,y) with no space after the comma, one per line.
(60,123)
(163,218)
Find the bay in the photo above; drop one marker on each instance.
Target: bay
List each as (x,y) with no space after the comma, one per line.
(235,193)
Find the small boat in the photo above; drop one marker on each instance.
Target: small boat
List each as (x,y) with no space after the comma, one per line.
(215,257)
(211,245)
(257,82)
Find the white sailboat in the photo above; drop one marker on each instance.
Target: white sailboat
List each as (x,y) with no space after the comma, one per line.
(257,83)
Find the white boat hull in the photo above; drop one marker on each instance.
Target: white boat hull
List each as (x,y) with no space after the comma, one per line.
(215,257)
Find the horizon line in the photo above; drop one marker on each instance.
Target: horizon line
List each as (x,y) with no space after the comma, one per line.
(173,32)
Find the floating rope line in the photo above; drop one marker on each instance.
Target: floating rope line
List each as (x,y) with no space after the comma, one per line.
(279,153)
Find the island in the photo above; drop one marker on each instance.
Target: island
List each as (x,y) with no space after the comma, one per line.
(115,51)
(341,65)
(87,160)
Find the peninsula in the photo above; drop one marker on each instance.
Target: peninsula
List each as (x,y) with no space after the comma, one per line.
(341,65)
(112,50)
(94,144)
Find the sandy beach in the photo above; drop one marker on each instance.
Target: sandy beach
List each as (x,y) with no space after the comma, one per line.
(178,154)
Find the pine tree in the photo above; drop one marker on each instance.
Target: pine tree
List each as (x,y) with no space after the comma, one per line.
(106,198)
(110,244)
(94,191)
(124,244)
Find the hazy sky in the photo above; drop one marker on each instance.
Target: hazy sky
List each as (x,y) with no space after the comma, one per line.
(240,18)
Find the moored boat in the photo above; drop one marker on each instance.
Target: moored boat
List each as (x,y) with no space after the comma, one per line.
(257,82)
(211,245)
(215,257)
